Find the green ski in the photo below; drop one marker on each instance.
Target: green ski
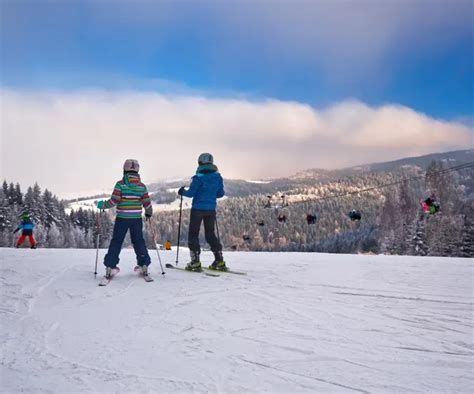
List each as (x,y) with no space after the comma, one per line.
(196,272)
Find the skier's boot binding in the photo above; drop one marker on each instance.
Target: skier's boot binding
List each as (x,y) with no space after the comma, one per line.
(219,263)
(195,263)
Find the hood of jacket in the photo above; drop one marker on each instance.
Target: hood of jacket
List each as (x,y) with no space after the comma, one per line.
(206,169)
(130,177)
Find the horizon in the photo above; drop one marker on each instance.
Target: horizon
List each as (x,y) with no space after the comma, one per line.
(271,89)
(72,195)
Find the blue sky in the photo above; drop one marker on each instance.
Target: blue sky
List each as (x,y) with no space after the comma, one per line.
(414,53)
(293,84)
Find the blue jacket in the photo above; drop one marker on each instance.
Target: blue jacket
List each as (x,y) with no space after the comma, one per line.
(205,189)
(26,225)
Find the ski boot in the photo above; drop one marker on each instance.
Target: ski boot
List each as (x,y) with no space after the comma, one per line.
(144,269)
(108,272)
(195,263)
(219,263)
(33,247)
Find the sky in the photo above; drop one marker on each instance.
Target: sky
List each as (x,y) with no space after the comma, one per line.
(269,87)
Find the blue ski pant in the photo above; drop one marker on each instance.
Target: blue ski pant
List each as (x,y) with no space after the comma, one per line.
(136,234)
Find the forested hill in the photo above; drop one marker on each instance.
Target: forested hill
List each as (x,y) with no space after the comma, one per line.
(451,159)
(391,222)
(242,188)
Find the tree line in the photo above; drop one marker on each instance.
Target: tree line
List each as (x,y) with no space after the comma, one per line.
(392,221)
(54,226)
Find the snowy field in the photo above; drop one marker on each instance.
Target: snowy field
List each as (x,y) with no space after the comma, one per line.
(296,323)
(90,205)
(172,206)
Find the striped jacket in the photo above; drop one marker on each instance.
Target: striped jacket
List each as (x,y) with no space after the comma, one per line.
(129,196)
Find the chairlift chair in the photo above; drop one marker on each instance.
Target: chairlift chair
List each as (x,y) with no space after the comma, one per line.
(355,215)
(311,219)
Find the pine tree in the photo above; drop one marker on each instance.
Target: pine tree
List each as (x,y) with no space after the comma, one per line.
(419,246)
(5,219)
(18,196)
(55,237)
(33,203)
(467,241)
(11,193)
(50,211)
(5,189)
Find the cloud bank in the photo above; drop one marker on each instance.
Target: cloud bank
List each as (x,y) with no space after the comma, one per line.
(73,141)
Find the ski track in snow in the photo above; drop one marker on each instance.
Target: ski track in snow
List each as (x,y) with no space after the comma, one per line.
(296,323)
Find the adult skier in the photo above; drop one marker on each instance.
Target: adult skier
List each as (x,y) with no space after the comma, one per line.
(207,185)
(129,196)
(26,226)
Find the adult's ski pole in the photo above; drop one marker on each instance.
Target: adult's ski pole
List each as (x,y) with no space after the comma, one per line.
(179,228)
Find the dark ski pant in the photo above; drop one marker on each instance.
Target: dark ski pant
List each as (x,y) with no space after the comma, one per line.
(136,234)
(209,218)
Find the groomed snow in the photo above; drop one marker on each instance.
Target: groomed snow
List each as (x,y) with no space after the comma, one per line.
(296,323)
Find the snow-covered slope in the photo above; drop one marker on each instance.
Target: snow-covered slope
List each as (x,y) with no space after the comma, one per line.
(173,206)
(295,323)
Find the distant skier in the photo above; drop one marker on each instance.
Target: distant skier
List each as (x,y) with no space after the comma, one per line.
(206,186)
(168,245)
(26,226)
(129,195)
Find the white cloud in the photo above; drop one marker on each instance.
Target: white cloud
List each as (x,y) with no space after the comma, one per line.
(79,140)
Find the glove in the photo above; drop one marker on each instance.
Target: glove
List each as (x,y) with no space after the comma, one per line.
(181,190)
(100,205)
(147,217)
(16,230)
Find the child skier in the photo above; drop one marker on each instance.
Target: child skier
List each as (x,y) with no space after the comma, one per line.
(206,186)
(129,195)
(26,226)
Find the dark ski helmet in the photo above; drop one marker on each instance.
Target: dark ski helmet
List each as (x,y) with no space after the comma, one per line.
(205,158)
(131,165)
